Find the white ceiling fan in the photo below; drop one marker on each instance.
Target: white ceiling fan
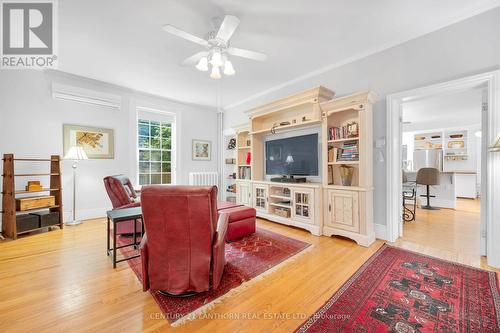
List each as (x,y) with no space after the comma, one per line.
(217,47)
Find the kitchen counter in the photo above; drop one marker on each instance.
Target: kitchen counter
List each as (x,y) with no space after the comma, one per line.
(445,192)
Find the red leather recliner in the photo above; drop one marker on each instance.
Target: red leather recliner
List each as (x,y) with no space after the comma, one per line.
(122,195)
(183,250)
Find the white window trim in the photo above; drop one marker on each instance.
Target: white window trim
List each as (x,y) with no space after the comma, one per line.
(174,148)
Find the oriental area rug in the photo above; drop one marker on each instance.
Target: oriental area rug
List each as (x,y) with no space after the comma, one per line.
(402,291)
(247,260)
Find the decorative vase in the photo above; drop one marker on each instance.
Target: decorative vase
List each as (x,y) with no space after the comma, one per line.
(249,158)
(346,173)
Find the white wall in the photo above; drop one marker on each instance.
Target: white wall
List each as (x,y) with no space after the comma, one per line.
(466,48)
(31,126)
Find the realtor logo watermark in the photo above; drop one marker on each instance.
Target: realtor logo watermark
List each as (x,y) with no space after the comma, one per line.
(28,34)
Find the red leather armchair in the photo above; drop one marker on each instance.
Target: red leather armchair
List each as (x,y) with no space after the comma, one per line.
(183,250)
(122,195)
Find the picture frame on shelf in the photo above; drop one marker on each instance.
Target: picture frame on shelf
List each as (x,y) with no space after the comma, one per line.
(98,143)
(352,130)
(201,150)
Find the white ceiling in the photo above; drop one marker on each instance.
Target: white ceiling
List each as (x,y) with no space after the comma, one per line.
(443,111)
(121,41)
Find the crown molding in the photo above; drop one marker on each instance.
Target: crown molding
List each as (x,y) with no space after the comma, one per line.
(465,15)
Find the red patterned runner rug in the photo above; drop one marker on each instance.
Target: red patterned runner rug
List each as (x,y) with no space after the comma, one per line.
(247,260)
(402,291)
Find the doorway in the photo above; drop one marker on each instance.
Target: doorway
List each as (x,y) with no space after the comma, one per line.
(489,175)
(441,172)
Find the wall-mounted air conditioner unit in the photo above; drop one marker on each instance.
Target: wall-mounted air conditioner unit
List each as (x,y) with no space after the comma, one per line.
(86,96)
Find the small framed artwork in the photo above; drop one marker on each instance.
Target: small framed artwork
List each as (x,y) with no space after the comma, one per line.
(202,150)
(98,143)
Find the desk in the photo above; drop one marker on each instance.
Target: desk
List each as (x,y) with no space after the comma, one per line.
(122,215)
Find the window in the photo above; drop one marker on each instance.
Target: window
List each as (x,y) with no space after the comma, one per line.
(155,152)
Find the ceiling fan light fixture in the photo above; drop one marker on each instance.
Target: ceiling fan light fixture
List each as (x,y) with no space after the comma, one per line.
(215,73)
(202,64)
(228,68)
(216,48)
(216,59)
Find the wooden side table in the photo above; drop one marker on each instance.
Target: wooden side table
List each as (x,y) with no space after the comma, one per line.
(122,215)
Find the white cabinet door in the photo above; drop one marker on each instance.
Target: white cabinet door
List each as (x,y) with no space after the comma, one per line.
(465,186)
(303,205)
(261,197)
(343,210)
(244,193)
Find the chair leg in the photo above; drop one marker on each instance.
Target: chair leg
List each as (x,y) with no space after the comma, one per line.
(414,205)
(428,196)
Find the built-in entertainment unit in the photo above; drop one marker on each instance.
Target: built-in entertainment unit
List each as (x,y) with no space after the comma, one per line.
(295,156)
(314,137)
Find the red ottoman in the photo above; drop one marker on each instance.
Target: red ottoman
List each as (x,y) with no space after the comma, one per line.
(241,220)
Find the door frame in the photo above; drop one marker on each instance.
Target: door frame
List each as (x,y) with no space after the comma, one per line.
(490,182)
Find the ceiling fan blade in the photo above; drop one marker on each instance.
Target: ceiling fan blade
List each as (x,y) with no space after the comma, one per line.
(228,27)
(183,34)
(247,54)
(193,60)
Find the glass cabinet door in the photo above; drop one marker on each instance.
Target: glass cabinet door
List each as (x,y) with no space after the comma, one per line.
(302,204)
(260,193)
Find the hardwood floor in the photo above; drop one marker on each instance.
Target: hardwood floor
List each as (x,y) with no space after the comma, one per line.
(446,233)
(63,281)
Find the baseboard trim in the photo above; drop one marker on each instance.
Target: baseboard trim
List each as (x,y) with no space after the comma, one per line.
(87,214)
(380,231)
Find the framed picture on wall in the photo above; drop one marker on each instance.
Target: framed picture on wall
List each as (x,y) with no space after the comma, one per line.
(202,150)
(98,143)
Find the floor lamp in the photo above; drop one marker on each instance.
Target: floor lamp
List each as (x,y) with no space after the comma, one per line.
(75,153)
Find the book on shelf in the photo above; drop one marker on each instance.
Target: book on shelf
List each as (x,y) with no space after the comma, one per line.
(347,153)
(350,130)
(332,154)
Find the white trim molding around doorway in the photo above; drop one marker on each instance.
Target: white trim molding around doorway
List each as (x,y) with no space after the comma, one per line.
(490,193)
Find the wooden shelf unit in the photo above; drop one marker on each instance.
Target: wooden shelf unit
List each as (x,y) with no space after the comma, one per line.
(295,204)
(39,191)
(9,192)
(243,147)
(326,208)
(229,185)
(290,112)
(348,210)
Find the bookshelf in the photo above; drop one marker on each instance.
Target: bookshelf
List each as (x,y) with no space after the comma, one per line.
(243,147)
(10,220)
(347,148)
(230,169)
(329,206)
(343,134)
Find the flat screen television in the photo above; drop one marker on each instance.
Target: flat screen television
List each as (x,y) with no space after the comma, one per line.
(296,156)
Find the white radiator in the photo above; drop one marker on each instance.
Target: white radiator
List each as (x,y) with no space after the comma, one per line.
(204,178)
